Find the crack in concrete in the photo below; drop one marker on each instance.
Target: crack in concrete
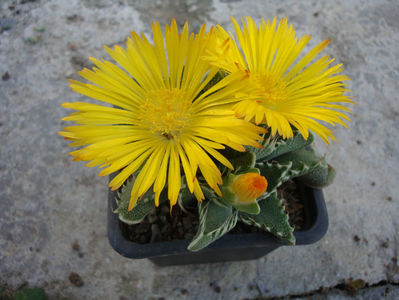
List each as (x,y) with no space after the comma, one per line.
(327,290)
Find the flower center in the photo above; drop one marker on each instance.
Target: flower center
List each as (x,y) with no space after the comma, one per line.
(270,90)
(165,112)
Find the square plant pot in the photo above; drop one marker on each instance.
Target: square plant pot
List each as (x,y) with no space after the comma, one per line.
(231,247)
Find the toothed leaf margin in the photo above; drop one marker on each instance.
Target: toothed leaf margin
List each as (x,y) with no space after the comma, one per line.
(272,218)
(140,210)
(214,222)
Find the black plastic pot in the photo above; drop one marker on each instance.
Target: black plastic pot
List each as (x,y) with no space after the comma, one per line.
(231,247)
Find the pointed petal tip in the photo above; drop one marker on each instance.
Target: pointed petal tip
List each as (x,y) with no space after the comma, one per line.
(103,173)
(326,42)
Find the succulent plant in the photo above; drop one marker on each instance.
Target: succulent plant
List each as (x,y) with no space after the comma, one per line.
(249,193)
(188,111)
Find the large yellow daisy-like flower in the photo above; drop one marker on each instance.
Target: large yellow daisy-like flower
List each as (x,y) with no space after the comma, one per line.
(282,93)
(161,119)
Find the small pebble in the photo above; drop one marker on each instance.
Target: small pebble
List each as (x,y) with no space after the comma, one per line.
(163,219)
(180,231)
(174,222)
(5,76)
(186,222)
(165,209)
(74,18)
(165,228)
(71,47)
(184,292)
(143,239)
(253,287)
(353,286)
(75,246)
(188,235)
(324,290)
(216,287)
(152,218)
(155,233)
(142,227)
(75,279)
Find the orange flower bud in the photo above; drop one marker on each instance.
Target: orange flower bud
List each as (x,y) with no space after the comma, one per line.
(249,186)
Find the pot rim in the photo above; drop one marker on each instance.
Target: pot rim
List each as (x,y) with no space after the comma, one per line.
(316,210)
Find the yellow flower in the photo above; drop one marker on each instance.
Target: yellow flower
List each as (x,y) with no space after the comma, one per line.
(161,121)
(283,89)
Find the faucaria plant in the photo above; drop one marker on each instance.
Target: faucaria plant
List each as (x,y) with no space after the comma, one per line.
(209,119)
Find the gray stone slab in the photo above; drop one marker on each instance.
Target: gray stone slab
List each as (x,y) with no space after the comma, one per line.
(47,203)
(385,292)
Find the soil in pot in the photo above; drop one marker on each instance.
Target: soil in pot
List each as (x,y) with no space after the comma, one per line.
(160,225)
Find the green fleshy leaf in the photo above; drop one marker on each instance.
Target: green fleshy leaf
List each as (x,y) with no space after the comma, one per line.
(275,174)
(304,164)
(142,207)
(268,146)
(282,146)
(272,218)
(216,216)
(215,221)
(240,160)
(186,199)
(243,161)
(303,161)
(319,177)
(250,208)
(218,77)
(211,196)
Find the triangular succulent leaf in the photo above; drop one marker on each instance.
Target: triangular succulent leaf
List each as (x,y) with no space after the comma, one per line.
(214,222)
(272,218)
(142,207)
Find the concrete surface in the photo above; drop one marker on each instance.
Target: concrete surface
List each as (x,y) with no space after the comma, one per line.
(47,202)
(386,292)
